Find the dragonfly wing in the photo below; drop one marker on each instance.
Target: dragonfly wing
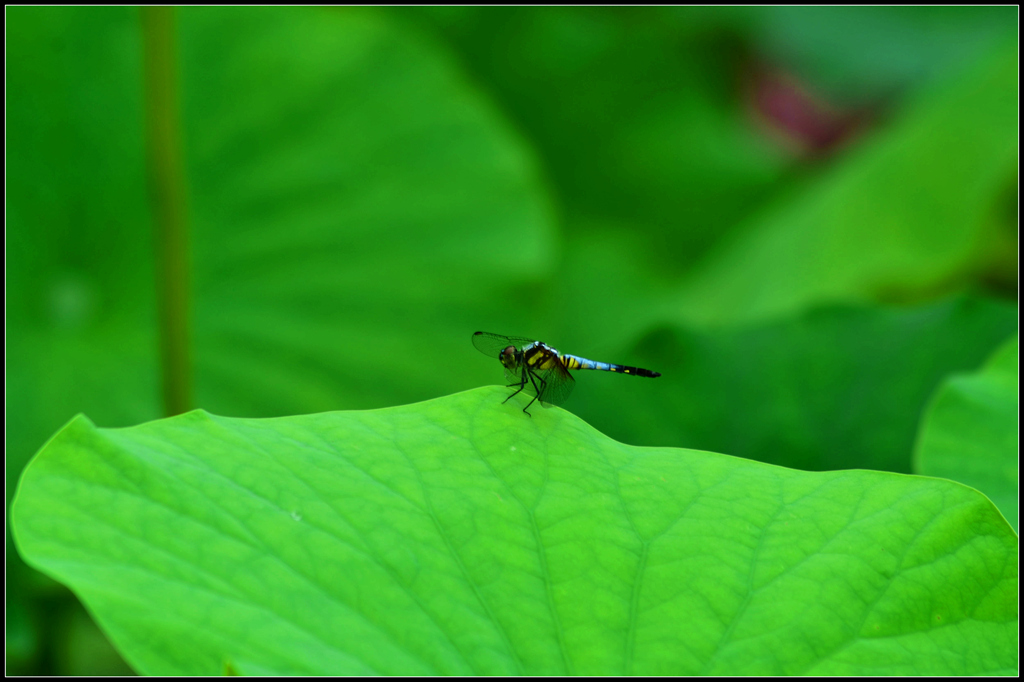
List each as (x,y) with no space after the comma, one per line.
(514,375)
(558,384)
(491,345)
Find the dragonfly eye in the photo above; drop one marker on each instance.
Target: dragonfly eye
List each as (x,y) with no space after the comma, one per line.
(508,354)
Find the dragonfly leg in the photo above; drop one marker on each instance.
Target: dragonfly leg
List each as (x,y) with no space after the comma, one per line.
(522,385)
(539,389)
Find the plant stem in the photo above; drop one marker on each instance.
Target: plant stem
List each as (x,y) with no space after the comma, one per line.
(168,197)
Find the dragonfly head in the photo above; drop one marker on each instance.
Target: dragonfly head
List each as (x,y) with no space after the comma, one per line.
(508,357)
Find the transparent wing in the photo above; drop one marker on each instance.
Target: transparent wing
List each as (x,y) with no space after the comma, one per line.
(491,345)
(513,376)
(558,384)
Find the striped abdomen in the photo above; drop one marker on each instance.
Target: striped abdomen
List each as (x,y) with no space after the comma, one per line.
(576,362)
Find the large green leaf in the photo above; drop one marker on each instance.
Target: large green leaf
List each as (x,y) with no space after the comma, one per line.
(460,536)
(971,431)
(906,214)
(835,388)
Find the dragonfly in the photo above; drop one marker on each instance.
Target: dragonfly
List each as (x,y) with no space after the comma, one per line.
(540,370)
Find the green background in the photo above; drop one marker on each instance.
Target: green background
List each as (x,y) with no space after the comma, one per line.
(804,218)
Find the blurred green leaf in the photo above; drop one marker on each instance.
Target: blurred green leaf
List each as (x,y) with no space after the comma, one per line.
(635,111)
(606,295)
(357,205)
(970,432)
(834,388)
(81,329)
(903,216)
(21,636)
(83,648)
(858,53)
(459,536)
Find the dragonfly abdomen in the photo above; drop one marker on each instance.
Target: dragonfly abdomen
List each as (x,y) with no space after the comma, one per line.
(576,362)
